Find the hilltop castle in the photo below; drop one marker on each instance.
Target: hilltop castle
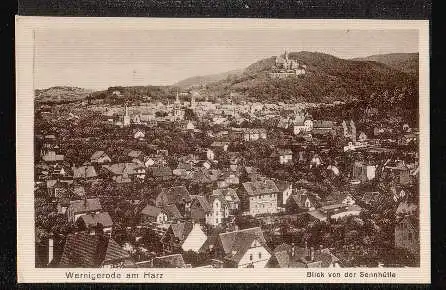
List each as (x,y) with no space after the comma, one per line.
(285,67)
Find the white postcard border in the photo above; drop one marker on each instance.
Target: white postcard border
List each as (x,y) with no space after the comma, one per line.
(26,270)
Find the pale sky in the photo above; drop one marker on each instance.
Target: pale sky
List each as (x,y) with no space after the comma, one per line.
(96,59)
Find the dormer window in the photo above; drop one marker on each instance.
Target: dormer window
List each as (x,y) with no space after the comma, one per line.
(250,257)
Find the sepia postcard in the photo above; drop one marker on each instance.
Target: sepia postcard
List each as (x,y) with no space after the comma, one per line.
(222,150)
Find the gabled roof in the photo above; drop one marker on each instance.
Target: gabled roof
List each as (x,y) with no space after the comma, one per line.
(135,154)
(204,204)
(220,197)
(300,198)
(84,250)
(282,185)
(170,261)
(283,254)
(228,239)
(51,183)
(86,171)
(93,220)
(85,205)
(123,168)
(204,175)
(242,243)
(114,252)
(282,258)
(97,155)
(173,195)
(181,230)
(210,242)
(138,130)
(260,187)
(229,194)
(161,171)
(151,210)
(172,211)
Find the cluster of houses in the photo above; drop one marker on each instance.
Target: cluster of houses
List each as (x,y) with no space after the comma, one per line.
(202,221)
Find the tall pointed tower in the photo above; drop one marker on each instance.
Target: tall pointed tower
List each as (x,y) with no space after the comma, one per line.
(192,101)
(177,99)
(126,120)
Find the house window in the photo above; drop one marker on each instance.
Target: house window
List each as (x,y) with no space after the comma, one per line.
(250,257)
(260,255)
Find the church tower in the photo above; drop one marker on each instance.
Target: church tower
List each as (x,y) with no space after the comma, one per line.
(126,120)
(192,101)
(177,99)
